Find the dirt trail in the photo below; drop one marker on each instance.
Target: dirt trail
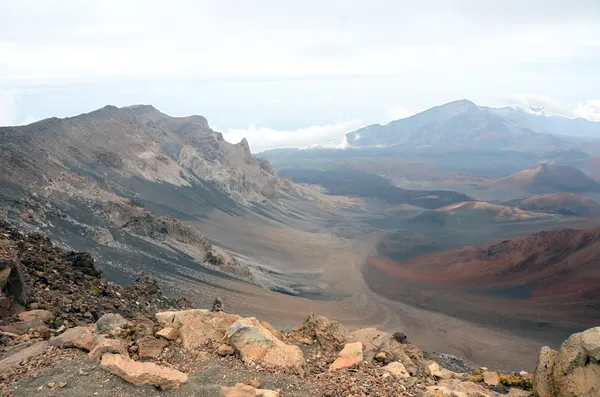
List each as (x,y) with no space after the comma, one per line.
(341,272)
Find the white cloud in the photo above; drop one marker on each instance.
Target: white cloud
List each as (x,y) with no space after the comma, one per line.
(263,138)
(547,106)
(589,110)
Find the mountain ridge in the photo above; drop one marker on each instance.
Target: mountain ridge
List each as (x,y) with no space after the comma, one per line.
(457,123)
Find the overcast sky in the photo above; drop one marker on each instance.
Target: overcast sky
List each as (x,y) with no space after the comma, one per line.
(296,73)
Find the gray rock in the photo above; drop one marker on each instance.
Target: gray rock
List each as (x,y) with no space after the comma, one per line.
(450,362)
(542,376)
(576,369)
(112,324)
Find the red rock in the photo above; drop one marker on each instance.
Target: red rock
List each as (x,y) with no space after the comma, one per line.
(350,356)
(151,347)
(81,337)
(103,345)
(140,374)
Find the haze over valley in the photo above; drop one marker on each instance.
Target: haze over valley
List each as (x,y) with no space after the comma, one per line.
(414,232)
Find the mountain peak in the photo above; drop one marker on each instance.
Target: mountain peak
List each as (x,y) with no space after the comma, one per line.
(140,109)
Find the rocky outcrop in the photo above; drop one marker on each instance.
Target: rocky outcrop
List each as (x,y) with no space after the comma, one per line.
(542,376)
(376,341)
(350,356)
(197,327)
(396,369)
(573,370)
(141,374)
(331,335)
(103,345)
(151,347)
(255,343)
(576,369)
(14,360)
(113,324)
(80,337)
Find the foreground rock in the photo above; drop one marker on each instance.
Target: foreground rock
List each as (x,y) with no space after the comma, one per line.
(196,327)
(542,377)
(151,347)
(113,324)
(241,390)
(376,342)
(350,356)
(576,369)
(14,360)
(331,335)
(396,369)
(140,374)
(80,337)
(256,343)
(103,345)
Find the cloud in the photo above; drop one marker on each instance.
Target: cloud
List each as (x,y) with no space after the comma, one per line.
(397,113)
(547,106)
(263,138)
(589,110)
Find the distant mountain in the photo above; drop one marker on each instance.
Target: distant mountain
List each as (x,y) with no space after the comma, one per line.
(562,203)
(549,178)
(459,124)
(469,214)
(555,125)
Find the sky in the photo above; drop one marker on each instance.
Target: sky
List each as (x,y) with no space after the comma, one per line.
(296,73)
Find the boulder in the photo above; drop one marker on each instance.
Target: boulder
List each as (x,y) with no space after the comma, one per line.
(141,373)
(542,376)
(514,392)
(113,324)
(14,284)
(103,345)
(14,360)
(218,305)
(151,347)
(169,333)
(225,350)
(576,370)
(28,320)
(239,390)
(439,372)
(81,337)
(458,388)
(350,356)
(197,327)
(4,273)
(143,327)
(396,369)
(376,341)
(4,306)
(331,335)
(256,343)
(38,316)
(176,318)
(491,378)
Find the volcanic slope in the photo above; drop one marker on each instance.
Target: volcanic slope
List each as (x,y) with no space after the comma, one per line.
(548,178)
(562,203)
(546,278)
